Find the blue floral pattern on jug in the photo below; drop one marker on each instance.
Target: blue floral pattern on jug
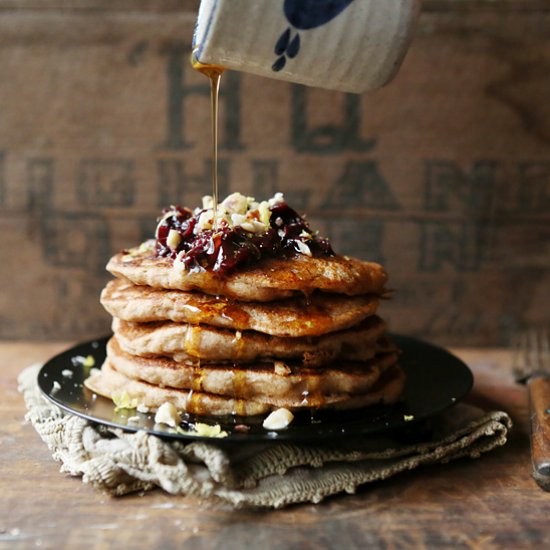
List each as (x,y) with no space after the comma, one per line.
(304,15)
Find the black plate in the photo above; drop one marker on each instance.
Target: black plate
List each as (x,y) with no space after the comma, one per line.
(436,380)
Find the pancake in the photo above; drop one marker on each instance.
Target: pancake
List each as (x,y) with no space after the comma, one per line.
(319,314)
(386,391)
(257,381)
(108,382)
(189,343)
(216,334)
(270,279)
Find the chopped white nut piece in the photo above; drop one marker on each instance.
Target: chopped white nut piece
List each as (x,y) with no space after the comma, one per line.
(204,222)
(247,226)
(171,212)
(123,401)
(281,368)
(303,248)
(67,373)
(133,419)
(236,203)
(173,240)
(259,227)
(278,420)
(56,386)
(178,264)
(265,213)
(238,219)
(253,226)
(277,198)
(86,362)
(89,361)
(142,408)
(167,414)
(205,430)
(223,214)
(207,202)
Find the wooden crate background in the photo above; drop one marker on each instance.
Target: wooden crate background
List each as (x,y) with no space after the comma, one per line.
(444,176)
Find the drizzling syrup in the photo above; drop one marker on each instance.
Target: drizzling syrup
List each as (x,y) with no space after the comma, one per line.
(214,73)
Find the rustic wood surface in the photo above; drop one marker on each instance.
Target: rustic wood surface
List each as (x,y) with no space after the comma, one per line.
(444,175)
(488,503)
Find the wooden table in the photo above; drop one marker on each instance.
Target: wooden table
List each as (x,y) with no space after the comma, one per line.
(487,503)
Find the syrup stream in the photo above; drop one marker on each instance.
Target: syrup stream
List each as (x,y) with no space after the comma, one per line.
(213,72)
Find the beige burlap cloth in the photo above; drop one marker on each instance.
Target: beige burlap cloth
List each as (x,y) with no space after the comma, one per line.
(252,475)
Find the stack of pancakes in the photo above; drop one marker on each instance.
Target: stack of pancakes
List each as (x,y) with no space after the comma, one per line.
(298,333)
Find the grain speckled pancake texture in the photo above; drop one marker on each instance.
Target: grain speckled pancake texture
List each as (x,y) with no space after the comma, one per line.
(257,381)
(316,315)
(189,343)
(108,382)
(270,279)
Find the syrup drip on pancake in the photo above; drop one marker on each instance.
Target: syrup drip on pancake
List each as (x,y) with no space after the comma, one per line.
(239,384)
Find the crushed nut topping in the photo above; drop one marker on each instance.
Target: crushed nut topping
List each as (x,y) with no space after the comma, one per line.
(200,429)
(281,368)
(278,420)
(244,231)
(167,414)
(124,401)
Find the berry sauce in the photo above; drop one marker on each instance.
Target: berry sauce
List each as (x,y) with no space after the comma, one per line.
(227,248)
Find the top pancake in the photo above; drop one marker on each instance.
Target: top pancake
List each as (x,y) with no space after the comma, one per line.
(270,279)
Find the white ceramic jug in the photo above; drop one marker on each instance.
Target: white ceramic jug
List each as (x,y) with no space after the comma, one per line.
(347,45)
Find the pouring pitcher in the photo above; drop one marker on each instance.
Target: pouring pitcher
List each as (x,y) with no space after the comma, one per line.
(346,45)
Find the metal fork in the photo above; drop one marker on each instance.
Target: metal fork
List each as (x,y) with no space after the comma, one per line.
(532,367)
